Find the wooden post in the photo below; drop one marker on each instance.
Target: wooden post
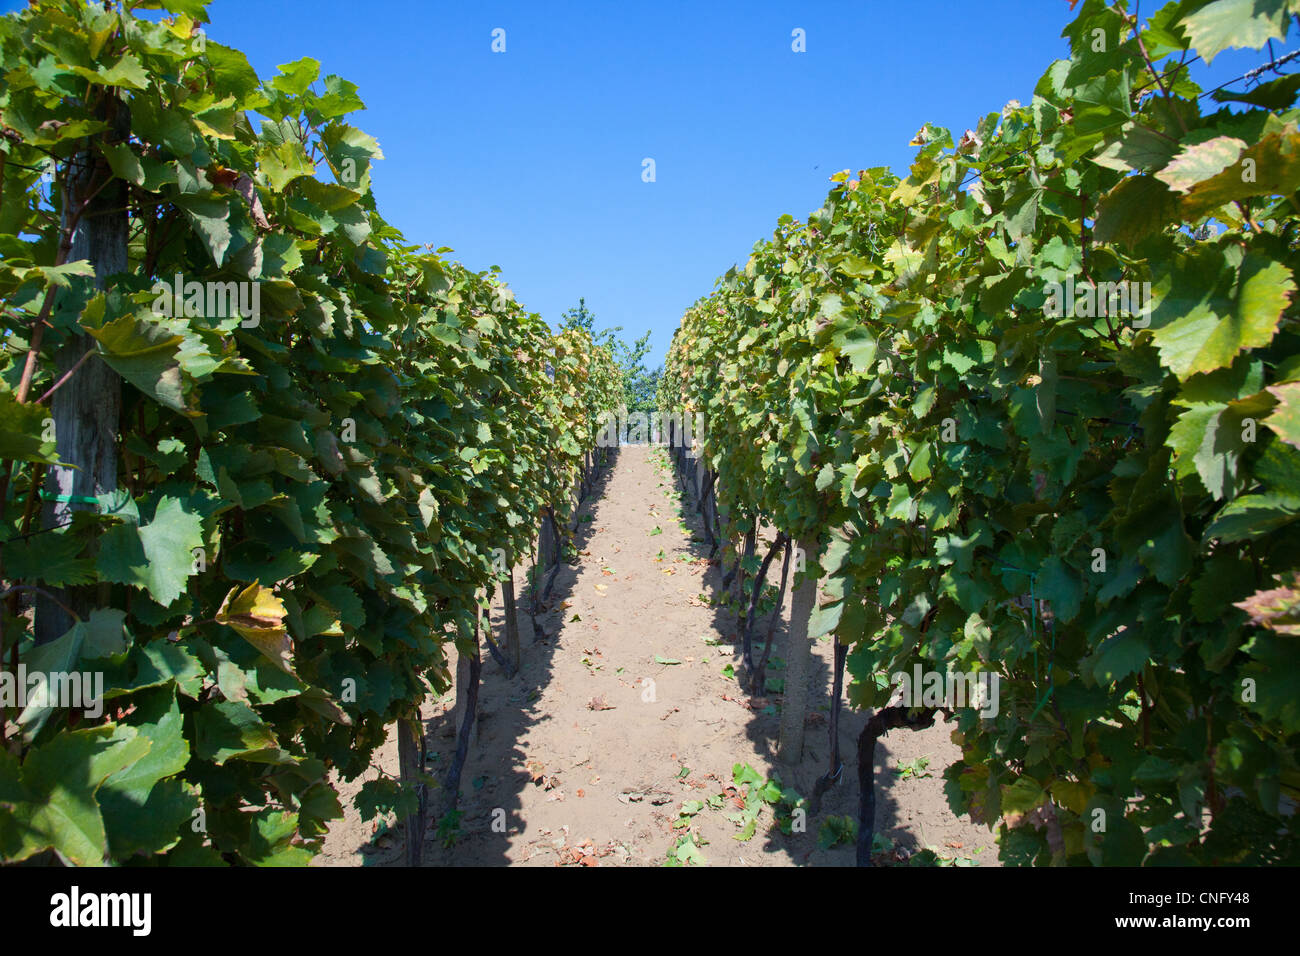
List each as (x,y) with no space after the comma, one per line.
(545,546)
(738,582)
(87,407)
(410,759)
(468,669)
(512,649)
(725,531)
(556,550)
(798,659)
(462,688)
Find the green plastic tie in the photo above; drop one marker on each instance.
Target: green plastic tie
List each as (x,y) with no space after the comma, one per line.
(70,499)
(67,499)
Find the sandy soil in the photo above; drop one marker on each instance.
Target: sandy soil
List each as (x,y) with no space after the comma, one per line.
(579,761)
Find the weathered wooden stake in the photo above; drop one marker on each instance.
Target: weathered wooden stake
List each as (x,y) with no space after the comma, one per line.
(410,757)
(512,649)
(798,660)
(86,409)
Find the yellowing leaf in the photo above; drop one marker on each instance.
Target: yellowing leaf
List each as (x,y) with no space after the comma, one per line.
(1285,419)
(1199,162)
(1269,168)
(1224,24)
(1203,340)
(1022,796)
(1071,794)
(257,615)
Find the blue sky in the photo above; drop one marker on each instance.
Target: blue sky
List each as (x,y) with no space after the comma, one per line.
(531,159)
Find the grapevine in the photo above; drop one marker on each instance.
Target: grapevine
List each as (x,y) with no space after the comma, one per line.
(297,513)
(950,381)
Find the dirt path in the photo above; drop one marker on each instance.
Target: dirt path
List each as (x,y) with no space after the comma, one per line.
(589,755)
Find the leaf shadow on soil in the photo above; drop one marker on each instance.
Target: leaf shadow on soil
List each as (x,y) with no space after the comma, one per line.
(507,707)
(497,775)
(763,727)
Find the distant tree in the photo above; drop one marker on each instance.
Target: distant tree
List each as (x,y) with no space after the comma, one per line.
(584,319)
(640,384)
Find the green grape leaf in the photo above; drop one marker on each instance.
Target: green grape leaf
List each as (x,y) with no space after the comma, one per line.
(1119,656)
(1138,207)
(1225,24)
(1199,162)
(158,556)
(23,430)
(1251,516)
(1284,420)
(296,77)
(1204,340)
(144,353)
(229,730)
(142,810)
(62,777)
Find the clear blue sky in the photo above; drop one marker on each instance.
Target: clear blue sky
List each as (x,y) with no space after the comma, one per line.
(531,159)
